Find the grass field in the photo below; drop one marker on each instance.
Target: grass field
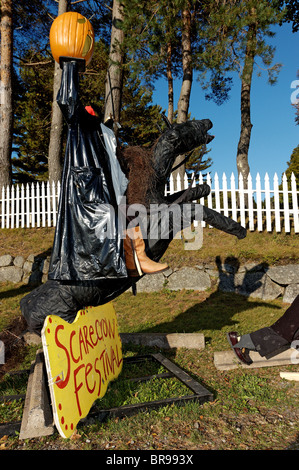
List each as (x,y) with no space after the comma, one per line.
(271,248)
(252,409)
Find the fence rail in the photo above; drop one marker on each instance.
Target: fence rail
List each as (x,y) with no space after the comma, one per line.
(261,206)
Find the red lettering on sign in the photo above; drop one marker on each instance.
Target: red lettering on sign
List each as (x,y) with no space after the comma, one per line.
(87,343)
(77,387)
(63,383)
(71,347)
(99,374)
(88,369)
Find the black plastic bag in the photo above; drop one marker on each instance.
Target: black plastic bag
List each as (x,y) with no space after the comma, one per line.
(88,241)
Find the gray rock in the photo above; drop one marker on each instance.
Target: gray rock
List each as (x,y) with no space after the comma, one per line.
(27,267)
(19,261)
(45,266)
(11,274)
(31,338)
(284,275)
(167,272)
(31,258)
(226,282)
(189,278)
(253,284)
(212,272)
(151,283)
(199,266)
(6,260)
(291,292)
(253,267)
(258,285)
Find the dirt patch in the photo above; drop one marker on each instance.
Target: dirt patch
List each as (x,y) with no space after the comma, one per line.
(14,344)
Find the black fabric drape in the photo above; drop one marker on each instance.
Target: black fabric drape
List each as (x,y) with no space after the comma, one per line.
(88,242)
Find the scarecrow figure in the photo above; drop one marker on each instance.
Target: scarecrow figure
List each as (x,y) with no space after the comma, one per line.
(95,256)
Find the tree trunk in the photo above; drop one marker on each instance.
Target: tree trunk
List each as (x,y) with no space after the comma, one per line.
(170,83)
(55,144)
(184,99)
(6,105)
(246,125)
(114,79)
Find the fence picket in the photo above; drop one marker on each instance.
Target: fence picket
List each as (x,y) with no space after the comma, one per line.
(259,203)
(43,204)
(295,203)
(242,200)
(268,203)
(38,204)
(276,204)
(225,195)
(286,203)
(7,206)
(233,196)
(217,192)
(12,207)
(22,206)
(259,208)
(18,206)
(250,203)
(32,211)
(3,208)
(48,204)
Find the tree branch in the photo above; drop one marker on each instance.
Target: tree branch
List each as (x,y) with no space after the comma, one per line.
(77,1)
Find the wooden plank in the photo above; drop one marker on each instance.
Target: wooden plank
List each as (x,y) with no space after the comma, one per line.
(37,416)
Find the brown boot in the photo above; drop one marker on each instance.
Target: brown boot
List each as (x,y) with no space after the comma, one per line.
(137,262)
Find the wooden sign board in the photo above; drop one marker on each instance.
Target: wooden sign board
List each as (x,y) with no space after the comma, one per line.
(81,359)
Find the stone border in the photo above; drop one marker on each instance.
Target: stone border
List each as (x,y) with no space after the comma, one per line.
(251,279)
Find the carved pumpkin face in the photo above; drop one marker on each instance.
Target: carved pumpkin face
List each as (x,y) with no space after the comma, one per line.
(71,35)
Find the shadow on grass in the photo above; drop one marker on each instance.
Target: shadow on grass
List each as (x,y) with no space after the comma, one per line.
(230,299)
(214,313)
(20,290)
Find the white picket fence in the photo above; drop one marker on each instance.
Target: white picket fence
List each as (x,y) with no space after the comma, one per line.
(269,207)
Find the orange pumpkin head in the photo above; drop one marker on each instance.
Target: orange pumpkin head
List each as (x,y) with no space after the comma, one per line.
(71,35)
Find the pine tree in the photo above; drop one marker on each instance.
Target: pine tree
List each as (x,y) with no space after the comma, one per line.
(115,72)
(293,167)
(33,121)
(238,34)
(56,130)
(292,13)
(6,91)
(33,111)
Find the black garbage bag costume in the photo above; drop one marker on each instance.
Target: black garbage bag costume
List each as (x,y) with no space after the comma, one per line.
(85,268)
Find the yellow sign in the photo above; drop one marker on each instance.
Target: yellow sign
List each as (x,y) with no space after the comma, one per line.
(81,359)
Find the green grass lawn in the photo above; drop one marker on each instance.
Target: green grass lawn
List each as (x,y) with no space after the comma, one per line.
(271,248)
(252,409)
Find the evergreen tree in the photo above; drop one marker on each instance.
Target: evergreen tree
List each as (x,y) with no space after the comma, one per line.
(293,166)
(33,121)
(6,92)
(162,39)
(33,112)
(18,19)
(238,34)
(292,13)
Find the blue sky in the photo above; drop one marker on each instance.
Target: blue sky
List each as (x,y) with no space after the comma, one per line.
(274,133)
